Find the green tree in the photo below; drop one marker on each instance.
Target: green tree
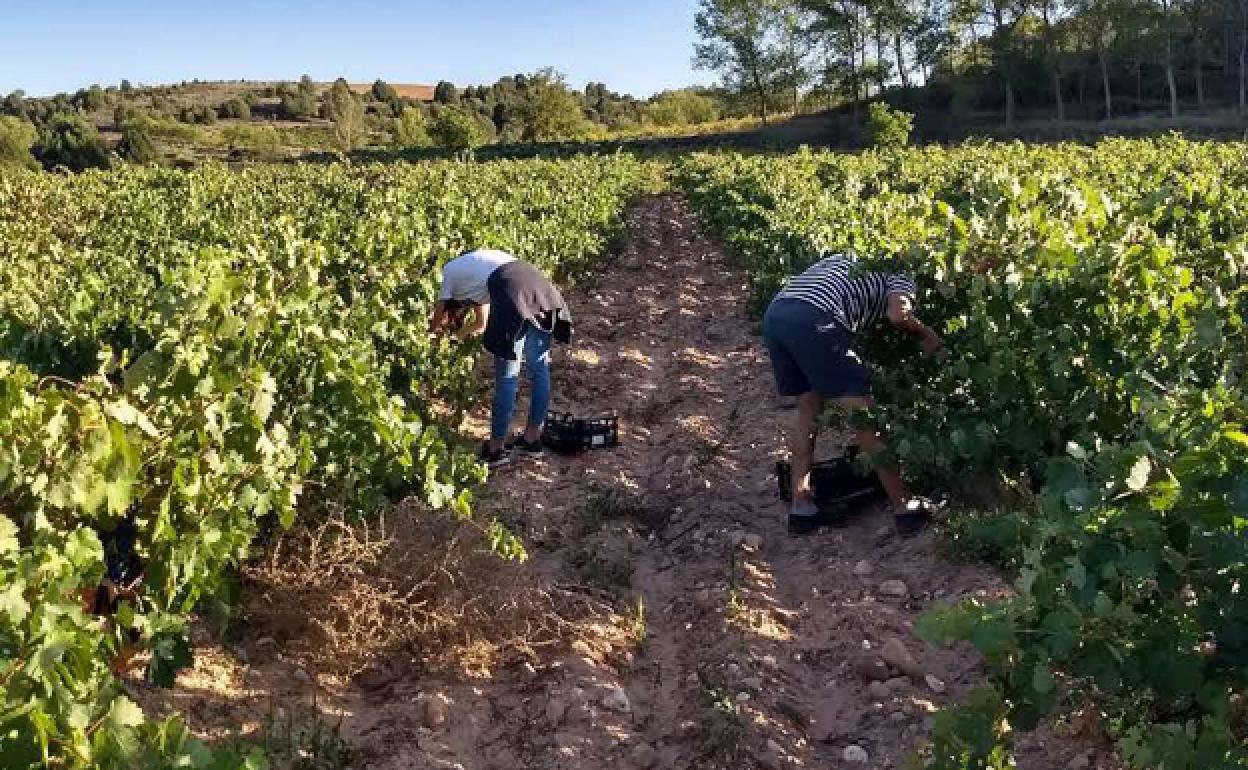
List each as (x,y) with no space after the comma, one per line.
(260,140)
(411,129)
(445,93)
(748,42)
(680,108)
(237,109)
(457,129)
(550,112)
(72,141)
(90,99)
(15,104)
(384,92)
(137,145)
(346,110)
(299,102)
(888,128)
(17,137)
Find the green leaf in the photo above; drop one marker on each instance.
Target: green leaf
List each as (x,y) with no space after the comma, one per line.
(124,713)
(83,548)
(1137,480)
(13,603)
(8,535)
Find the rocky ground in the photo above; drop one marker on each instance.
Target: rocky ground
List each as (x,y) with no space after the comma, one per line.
(733,644)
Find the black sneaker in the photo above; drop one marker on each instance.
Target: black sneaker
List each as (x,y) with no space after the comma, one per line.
(491,458)
(523,445)
(914,518)
(804,519)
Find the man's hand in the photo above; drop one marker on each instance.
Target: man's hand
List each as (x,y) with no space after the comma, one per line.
(932,343)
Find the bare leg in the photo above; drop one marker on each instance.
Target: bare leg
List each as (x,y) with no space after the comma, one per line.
(802,444)
(871,443)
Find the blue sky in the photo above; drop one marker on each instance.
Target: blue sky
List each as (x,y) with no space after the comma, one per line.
(635,46)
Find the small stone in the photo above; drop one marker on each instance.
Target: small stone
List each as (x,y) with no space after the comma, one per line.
(752,542)
(871,669)
(617,700)
(894,589)
(644,756)
(856,754)
(693,678)
(879,691)
(556,710)
(734,669)
(935,684)
(773,747)
(895,654)
(883,532)
(752,683)
(1080,762)
(898,684)
(863,568)
(897,717)
(743,697)
(528,670)
(770,661)
(435,711)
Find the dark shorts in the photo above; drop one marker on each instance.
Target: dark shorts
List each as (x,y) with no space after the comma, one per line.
(810,351)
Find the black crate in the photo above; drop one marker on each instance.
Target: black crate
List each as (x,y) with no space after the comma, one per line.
(836,482)
(567,434)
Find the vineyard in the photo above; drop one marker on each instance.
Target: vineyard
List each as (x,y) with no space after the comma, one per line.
(1094,304)
(188,356)
(191,360)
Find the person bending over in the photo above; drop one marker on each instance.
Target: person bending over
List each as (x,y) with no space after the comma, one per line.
(519,312)
(809,330)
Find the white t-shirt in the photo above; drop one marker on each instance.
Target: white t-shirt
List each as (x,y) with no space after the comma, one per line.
(464,278)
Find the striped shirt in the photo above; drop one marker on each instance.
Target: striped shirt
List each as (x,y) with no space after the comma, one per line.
(855,299)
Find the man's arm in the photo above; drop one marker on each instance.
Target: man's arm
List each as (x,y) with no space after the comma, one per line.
(439,319)
(901,314)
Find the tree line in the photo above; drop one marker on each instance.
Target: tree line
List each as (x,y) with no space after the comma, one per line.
(63,130)
(1087,59)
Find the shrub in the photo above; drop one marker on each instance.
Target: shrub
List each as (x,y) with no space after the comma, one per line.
(384,92)
(261,140)
(457,129)
(137,145)
(347,111)
(238,109)
(887,127)
(682,108)
(71,141)
(199,115)
(411,129)
(17,137)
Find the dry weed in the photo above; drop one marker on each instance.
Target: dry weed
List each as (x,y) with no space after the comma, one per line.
(343,597)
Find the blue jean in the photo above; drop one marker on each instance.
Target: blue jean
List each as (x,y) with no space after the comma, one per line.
(532,346)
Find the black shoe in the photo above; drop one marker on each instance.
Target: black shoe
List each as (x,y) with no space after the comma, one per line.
(824,516)
(914,518)
(491,458)
(523,445)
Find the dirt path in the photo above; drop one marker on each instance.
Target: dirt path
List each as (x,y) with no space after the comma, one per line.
(735,645)
(758,649)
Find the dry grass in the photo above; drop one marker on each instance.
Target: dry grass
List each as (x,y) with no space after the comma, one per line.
(343,597)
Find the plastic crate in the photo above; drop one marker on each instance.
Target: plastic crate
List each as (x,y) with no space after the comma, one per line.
(567,434)
(836,482)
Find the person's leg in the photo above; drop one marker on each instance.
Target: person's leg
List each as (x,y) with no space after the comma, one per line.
(802,447)
(537,353)
(506,383)
(872,443)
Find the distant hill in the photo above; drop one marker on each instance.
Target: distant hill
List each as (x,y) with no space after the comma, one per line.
(406,90)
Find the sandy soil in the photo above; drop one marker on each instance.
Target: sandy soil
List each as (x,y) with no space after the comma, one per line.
(735,645)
